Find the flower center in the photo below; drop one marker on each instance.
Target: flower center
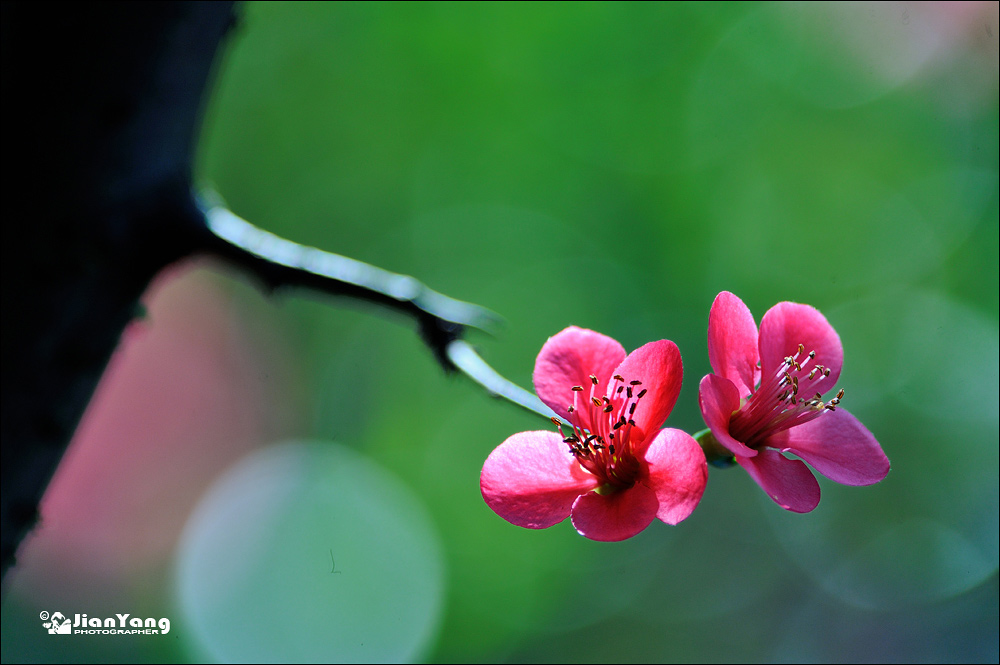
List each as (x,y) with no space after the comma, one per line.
(602,431)
(776,406)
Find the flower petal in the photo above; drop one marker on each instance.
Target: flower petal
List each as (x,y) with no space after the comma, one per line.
(788,324)
(837,445)
(613,517)
(532,480)
(718,399)
(568,359)
(732,342)
(788,482)
(658,366)
(677,473)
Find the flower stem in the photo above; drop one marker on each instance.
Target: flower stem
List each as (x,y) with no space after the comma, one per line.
(715,453)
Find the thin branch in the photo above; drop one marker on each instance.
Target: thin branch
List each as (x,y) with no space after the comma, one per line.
(465,358)
(443,320)
(282,263)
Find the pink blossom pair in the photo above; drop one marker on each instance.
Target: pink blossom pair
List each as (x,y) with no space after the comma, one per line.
(613,470)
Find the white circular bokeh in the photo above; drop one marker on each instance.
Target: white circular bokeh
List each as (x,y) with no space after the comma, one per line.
(309,551)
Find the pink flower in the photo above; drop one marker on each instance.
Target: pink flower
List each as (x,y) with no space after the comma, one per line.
(610,465)
(765,399)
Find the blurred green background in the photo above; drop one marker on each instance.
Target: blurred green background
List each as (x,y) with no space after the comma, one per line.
(295,478)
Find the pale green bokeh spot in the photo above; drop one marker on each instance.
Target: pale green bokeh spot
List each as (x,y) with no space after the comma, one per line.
(310,552)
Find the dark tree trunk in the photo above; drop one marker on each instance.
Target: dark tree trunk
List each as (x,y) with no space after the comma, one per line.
(101,111)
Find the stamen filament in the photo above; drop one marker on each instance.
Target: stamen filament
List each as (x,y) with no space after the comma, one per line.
(775,406)
(600,438)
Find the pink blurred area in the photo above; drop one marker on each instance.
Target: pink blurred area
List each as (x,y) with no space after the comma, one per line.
(194,386)
(880,46)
